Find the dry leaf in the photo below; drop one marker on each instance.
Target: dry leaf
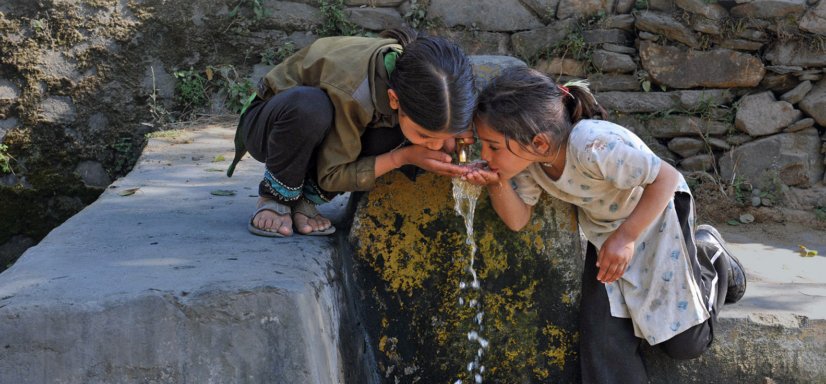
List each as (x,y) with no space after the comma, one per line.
(806,252)
(128,192)
(223,192)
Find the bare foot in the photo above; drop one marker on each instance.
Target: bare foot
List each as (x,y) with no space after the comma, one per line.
(305,225)
(270,221)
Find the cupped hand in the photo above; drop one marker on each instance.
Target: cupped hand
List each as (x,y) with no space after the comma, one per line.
(614,257)
(480,176)
(437,162)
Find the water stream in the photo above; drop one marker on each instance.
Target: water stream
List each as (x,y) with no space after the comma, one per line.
(466,194)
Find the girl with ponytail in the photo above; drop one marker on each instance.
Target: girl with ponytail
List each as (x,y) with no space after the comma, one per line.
(345,110)
(648,276)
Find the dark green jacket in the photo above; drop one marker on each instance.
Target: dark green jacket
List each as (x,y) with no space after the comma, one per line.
(352,72)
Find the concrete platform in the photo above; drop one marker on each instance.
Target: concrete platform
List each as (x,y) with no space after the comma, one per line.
(167,286)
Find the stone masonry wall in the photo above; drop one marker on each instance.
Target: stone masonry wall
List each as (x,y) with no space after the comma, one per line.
(731,88)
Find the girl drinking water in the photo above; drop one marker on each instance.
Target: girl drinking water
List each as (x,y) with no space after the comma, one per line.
(338,114)
(648,275)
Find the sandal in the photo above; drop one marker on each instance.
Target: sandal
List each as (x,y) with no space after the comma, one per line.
(309,209)
(269,205)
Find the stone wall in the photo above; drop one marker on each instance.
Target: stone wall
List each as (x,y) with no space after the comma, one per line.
(732,88)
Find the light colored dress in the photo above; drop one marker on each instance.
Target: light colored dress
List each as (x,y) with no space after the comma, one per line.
(606,169)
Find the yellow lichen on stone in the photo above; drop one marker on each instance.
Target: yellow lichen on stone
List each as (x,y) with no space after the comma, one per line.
(558,345)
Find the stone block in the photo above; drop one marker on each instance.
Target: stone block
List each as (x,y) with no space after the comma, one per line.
(478,42)
(373,3)
(664,24)
(814,20)
(636,102)
(375,19)
(582,8)
(613,82)
(717,68)
(761,114)
(674,126)
(58,110)
(739,44)
(768,9)
(290,15)
(701,162)
(624,22)
(794,157)
(814,104)
(411,256)
(711,11)
(612,36)
(9,93)
(529,44)
(800,125)
(560,66)
(607,61)
(798,93)
(545,9)
(686,146)
(486,15)
(795,53)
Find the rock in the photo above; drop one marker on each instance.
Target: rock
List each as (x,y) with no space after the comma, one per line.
(624,6)
(798,93)
(783,69)
(693,100)
(717,143)
(486,68)
(545,9)
(766,9)
(58,110)
(376,19)
(659,5)
(696,163)
(157,79)
(624,22)
(797,53)
(373,3)
(290,16)
(814,20)
(636,102)
(93,174)
(529,44)
(664,24)
(753,34)
(767,202)
(558,66)
(674,126)
(707,26)
(582,8)
(761,114)
(302,39)
(619,48)
(612,36)
(410,257)
(7,125)
(779,83)
(712,11)
(606,61)
(58,66)
(739,44)
(478,42)
(717,68)
(814,104)
(800,125)
(738,139)
(98,123)
(643,35)
(793,156)
(9,93)
(748,218)
(487,15)
(614,82)
(686,146)
(14,247)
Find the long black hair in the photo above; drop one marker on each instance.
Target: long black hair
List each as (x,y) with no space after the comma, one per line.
(434,82)
(522,102)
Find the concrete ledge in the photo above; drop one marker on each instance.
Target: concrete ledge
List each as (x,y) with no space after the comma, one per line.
(167,286)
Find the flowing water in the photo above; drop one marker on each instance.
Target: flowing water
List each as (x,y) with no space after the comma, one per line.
(466,194)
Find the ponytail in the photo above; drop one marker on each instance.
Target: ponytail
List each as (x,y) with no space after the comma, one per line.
(580,102)
(404,35)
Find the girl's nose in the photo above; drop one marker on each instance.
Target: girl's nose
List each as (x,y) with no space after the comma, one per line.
(434,145)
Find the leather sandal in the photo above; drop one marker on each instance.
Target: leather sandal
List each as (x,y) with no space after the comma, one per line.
(268,205)
(309,209)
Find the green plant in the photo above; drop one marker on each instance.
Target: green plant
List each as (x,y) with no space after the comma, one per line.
(5,159)
(123,154)
(160,116)
(275,56)
(820,213)
(191,88)
(237,90)
(416,15)
(741,190)
(335,21)
(257,8)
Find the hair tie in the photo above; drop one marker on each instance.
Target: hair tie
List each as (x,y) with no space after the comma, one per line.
(565,90)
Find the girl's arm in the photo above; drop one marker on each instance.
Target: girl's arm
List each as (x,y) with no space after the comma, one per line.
(506,202)
(618,248)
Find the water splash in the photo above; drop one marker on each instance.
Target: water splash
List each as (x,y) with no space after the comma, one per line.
(466,195)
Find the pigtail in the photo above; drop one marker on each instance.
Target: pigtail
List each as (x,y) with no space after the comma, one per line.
(580,102)
(404,35)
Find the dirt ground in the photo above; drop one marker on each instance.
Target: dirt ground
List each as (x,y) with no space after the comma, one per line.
(778,225)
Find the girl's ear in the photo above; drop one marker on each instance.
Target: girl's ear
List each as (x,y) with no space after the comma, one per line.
(541,143)
(394,99)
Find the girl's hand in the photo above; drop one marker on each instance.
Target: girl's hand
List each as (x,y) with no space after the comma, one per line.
(614,256)
(480,176)
(433,161)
